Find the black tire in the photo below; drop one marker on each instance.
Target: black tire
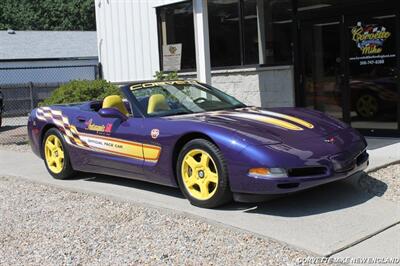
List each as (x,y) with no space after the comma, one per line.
(222,194)
(67,170)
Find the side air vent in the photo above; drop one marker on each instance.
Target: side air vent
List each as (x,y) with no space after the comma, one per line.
(288,185)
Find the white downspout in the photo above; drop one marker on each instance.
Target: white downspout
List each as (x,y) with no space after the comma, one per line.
(200,18)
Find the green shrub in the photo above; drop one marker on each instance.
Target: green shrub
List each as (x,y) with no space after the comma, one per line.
(81,91)
(160,76)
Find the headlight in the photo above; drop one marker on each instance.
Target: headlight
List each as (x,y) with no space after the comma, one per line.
(268,172)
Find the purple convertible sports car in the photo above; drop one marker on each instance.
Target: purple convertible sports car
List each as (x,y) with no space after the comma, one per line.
(189,135)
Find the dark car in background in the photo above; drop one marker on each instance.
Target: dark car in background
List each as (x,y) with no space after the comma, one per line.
(375,95)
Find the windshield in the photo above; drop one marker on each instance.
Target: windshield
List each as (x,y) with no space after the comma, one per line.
(181,97)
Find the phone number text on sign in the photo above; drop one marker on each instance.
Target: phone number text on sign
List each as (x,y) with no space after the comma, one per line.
(372,62)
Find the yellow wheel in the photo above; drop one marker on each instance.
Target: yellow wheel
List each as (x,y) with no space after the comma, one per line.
(202,174)
(56,156)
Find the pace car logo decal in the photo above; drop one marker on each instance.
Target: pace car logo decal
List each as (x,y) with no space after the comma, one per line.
(98,128)
(154,133)
(104,144)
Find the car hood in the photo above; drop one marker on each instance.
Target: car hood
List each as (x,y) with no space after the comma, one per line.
(268,126)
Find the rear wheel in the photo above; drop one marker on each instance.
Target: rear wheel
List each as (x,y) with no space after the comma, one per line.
(202,174)
(56,156)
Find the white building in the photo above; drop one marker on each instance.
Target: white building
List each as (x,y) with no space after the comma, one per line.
(129,51)
(265,52)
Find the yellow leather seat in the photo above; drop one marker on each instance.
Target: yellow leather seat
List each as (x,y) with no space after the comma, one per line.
(157,102)
(115,101)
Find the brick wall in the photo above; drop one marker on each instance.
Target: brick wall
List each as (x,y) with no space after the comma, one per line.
(266,87)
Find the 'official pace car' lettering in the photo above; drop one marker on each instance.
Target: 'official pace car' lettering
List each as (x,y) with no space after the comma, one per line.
(121,147)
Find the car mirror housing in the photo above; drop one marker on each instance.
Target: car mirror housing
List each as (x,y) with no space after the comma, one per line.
(112,113)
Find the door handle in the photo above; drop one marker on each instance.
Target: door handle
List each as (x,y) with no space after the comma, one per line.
(81,119)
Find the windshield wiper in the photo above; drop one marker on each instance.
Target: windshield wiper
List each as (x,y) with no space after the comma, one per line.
(179,113)
(228,108)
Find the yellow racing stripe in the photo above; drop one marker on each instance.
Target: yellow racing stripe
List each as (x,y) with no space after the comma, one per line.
(269,120)
(151,153)
(287,117)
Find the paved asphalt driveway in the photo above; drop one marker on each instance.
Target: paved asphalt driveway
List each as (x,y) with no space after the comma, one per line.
(325,220)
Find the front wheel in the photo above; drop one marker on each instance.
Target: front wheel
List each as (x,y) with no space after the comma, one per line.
(55,155)
(202,174)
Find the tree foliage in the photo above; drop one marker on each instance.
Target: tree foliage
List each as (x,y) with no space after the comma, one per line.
(47,15)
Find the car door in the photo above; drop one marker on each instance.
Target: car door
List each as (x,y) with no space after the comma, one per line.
(111,144)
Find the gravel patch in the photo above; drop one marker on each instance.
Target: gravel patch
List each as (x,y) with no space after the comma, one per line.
(44,225)
(383,183)
(13,134)
(21,147)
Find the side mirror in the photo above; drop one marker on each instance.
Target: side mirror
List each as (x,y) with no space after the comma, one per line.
(112,113)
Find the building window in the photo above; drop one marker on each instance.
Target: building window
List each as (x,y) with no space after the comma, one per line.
(223,21)
(278,23)
(309,6)
(250,32)
(175,24)
(242,32)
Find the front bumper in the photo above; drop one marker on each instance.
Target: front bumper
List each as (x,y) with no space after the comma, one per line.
(269,187)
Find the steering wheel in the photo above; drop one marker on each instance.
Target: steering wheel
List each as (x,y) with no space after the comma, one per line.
(200,100)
